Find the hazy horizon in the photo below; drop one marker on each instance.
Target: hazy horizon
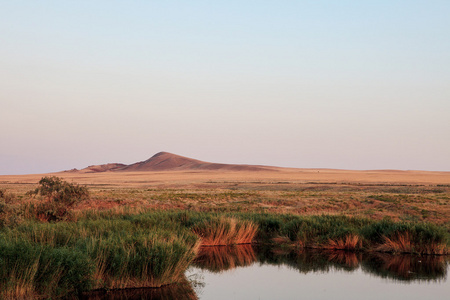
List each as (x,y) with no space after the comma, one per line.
(303,84)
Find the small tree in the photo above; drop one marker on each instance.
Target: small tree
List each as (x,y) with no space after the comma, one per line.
(8,215)
(61,196)
(60,191)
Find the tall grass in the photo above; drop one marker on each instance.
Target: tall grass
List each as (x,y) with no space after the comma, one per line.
(119,253)
(346,233)
(349,242)
(124,249)
(30,270)
(225,231)
(140,261)
(421,238)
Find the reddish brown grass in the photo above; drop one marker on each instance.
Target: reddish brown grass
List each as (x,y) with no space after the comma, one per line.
(285,241)
(401,243)
(227,231)
(350,242)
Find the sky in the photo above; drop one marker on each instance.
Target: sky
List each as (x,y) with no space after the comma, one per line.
(307,84)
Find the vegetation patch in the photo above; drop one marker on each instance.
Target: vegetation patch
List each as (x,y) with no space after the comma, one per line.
(101,253)
(53,245)
(226,231)
(59,197)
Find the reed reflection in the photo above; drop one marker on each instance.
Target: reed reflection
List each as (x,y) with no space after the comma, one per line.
(223,258)
(406,267)
(183,291)
(307,261)
(397,267)
(345,259)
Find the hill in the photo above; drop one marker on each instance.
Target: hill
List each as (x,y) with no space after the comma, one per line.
(165,161)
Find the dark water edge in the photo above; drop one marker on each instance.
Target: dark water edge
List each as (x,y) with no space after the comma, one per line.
(248,272)
(183,290)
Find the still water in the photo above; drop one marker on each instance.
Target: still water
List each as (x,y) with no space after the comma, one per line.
(246,272)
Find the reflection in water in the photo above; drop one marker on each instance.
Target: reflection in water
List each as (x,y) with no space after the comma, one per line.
(406,267)
(182,290)
(398,267)
(222,258)
(350,260)
(307,261)
(409,268)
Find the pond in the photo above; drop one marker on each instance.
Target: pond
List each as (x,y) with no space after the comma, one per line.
(246,272)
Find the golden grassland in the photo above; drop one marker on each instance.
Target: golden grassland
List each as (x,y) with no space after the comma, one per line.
(399,195)
(193,177)
(126,223)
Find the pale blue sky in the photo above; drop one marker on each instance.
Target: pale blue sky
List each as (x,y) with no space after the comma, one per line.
(326,84)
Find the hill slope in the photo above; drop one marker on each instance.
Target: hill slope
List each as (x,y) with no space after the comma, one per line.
(164,161)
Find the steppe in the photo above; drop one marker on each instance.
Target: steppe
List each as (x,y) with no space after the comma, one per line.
(118,226)
(169,181)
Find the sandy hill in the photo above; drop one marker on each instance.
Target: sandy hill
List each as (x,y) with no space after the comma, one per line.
(164,161)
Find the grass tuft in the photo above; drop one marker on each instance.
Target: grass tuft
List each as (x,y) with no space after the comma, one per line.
(226,231)
(404,243)
(350,242)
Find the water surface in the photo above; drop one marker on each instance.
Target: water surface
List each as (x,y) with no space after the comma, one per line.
(246,272)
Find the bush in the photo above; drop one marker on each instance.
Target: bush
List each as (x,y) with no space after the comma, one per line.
(60,191)
(8,215)
(6,197)
(61,196)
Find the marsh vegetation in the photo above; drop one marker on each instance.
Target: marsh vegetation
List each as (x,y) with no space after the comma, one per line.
(55,240)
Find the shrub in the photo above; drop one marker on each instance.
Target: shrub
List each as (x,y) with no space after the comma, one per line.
(60,191)
(61,196)
(8,215)
(6,197)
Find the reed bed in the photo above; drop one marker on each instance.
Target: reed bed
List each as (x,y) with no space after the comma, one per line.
(30,270)
(130,249)
(346,233)
(52,245)
(403,243)
(349,242)
(91,254)
(226,231)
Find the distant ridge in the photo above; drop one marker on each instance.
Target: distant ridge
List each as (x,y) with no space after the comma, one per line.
(104,168)
(165,161)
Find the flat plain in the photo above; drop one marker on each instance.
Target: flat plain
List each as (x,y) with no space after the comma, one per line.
(375,194)
(122,223)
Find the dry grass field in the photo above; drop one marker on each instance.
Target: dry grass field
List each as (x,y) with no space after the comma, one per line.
(121,224)
(399,195)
